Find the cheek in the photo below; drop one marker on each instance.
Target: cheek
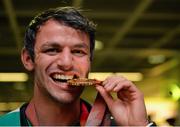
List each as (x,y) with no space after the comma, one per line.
(42,62)
(41,67)
(42,59)
(84,65)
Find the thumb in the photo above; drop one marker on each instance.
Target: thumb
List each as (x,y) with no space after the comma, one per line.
(106,96)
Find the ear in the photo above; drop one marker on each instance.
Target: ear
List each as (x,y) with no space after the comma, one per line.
(26,60)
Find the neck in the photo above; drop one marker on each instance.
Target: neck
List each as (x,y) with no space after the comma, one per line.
(42,111)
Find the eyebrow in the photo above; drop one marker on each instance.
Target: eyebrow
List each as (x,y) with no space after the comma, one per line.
(55,44)
(81,45)
(52,44)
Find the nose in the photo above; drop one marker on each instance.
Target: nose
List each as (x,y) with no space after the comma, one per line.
(65,60)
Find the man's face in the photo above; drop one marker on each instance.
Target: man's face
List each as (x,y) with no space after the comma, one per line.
(61,53)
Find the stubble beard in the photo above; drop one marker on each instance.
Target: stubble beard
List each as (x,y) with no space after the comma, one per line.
(63,100)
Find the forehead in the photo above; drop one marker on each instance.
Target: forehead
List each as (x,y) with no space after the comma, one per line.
(58,31)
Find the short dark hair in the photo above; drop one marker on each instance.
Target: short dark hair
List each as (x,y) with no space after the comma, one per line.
(70,16)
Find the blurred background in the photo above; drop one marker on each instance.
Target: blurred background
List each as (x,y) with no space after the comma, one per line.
(139,39)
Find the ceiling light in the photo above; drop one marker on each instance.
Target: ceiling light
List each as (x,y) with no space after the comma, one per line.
(156,59)
(99,75)
(13,77)
(175,91)
(98,45)
(133,76)
(22,77)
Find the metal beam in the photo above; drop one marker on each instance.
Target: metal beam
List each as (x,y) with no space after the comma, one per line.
(166,38)
(163,40)
(138,30)
(77,3)
(107,15)
(130,53)
(128,24)
(143,52)
(13,22)
(160,69)
(9,51)
(123,15)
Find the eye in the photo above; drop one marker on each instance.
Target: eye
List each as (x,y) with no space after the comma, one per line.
(51,51)
(79,52)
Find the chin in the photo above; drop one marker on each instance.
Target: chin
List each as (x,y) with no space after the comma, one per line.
(67,98)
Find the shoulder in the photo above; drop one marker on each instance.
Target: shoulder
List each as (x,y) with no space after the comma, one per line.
(11,119)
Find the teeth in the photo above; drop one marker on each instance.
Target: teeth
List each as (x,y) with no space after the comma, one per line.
(62,77)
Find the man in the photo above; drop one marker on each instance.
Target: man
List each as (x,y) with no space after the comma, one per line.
(58,46)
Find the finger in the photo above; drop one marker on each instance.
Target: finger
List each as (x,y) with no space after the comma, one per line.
(107,80)
(127,91)
(121,85)
(106,96)
(111,85)
(110,82)
(128,85)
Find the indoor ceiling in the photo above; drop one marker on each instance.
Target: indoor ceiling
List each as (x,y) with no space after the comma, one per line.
(135,35)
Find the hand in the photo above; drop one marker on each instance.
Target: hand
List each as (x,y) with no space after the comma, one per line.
(128,108)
